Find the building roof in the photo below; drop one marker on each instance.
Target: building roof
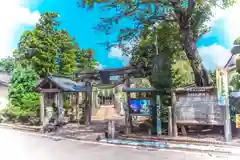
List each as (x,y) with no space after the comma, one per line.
(63,83)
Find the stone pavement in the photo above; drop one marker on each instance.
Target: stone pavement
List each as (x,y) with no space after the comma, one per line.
(18,145)
(176,146)
(81,132)
(216,139)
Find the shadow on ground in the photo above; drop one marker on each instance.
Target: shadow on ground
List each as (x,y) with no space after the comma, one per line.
(85,132)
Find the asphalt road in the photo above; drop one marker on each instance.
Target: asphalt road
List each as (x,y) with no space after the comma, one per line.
(17,145)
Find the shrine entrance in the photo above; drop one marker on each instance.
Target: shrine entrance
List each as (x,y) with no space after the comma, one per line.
(107,98)
(107,87)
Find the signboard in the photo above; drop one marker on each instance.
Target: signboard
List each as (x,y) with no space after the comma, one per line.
(141,106)
(222,86)
(237,120)
(114,78)
(198,107)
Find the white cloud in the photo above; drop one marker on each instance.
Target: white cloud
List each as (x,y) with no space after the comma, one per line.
(13,15)
(117,53)
(218,13)
(232,24)
(229,15)
(214,56)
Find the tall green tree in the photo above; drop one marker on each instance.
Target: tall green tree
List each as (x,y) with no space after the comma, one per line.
(39,45)
(66,57)
(50,49)
(189,16)
(85,59)
(175,69)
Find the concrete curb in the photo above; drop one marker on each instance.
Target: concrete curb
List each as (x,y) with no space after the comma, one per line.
(174,140)
(172,146)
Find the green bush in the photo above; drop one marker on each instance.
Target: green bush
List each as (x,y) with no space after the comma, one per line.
(24,102)
(16,114)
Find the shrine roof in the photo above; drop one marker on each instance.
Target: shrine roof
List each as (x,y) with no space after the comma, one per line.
(66,84)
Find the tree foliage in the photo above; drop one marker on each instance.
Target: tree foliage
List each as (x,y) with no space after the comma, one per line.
(50,49)
(44,50)
(84,59)
(7,64)
(174,68)
(66,56)
(213,76)
(189,16)
(24,101)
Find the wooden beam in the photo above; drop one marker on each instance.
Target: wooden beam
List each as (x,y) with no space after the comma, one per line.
(42,108)
(90,96)
(170,124)
(128,117)
(109,128)
(60,106)
(183,129)
(111,72)
(174,118)
(53,90)
(77,107)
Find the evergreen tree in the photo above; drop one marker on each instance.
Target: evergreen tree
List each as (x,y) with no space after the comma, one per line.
(85,59)
(66,54)
(39,45)
(52,50)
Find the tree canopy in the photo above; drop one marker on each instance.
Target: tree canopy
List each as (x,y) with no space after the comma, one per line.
(46,49)
(172,60)
(52,50)
(189,16)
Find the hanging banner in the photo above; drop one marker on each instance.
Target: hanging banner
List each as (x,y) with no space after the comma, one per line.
(237,120)
(222,86)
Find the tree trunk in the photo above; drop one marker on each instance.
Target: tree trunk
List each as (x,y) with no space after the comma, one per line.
(200,74)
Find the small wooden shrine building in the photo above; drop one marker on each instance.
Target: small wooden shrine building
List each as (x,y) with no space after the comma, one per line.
(51,91)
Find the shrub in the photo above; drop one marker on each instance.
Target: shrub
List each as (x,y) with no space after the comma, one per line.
(24,102)
(16,114)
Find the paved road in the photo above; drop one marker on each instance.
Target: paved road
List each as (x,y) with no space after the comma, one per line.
(17,145)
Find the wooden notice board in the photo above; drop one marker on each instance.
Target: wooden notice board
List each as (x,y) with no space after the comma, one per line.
(197,106)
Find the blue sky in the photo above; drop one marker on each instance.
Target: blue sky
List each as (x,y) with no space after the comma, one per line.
(214,46)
